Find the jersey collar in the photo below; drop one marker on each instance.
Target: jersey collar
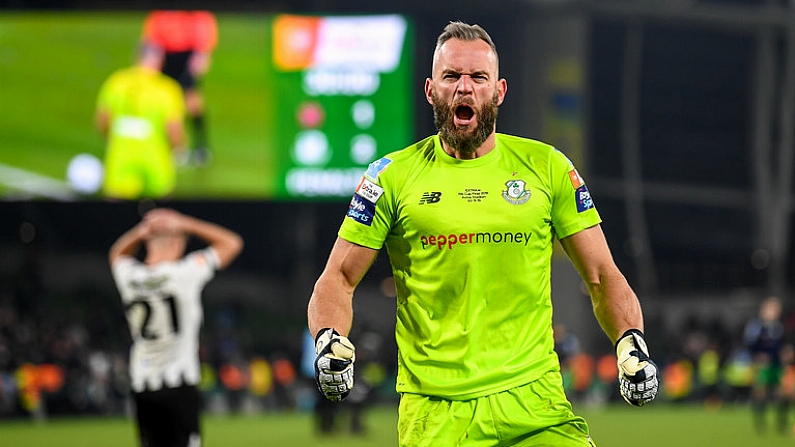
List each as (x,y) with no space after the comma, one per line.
(480,161)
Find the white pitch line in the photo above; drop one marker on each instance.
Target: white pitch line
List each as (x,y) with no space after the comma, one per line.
(36,184)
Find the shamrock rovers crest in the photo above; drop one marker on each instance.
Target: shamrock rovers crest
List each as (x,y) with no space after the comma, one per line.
(516,193)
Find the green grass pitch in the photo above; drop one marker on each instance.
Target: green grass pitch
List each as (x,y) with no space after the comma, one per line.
(657,425)
(51,69)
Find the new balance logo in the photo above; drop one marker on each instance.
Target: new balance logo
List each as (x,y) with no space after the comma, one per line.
(430,197)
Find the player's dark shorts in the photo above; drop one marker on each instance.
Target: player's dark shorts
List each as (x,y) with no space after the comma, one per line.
(769,375)
(175,66)
(168,417)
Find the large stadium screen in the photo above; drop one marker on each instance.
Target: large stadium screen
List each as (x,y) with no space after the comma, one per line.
(296,106)
(343,90)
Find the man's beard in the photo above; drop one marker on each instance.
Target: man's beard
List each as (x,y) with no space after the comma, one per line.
(461,139)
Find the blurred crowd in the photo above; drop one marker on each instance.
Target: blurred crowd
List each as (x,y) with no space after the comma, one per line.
(56,364)
(63,364)
(704,361)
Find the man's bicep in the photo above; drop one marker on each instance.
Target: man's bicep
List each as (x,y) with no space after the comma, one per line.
(331,301)
(589,252)
(351,261)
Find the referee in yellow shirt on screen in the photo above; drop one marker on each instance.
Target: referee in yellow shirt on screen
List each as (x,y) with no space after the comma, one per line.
(141,113)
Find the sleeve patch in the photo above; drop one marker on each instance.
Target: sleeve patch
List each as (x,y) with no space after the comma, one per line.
(583,197)
(576,180)
(361,210)
(376,168)
(369,190)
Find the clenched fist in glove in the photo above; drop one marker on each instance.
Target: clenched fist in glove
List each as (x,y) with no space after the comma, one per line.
(637,373)
(334,364)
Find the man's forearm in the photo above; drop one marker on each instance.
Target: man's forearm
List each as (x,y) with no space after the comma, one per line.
(330,307)
(207,231)
(616,307)
(227,243)
(127,244)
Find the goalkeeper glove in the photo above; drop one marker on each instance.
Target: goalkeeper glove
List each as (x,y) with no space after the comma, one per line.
(637,373)
(334,364)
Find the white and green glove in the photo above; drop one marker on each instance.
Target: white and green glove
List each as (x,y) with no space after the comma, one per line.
(334,364)
(637,373)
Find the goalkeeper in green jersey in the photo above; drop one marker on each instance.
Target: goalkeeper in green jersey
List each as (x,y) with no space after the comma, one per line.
(468,217)
(140,112)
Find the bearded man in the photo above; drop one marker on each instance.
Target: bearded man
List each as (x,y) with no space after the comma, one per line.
(469,217)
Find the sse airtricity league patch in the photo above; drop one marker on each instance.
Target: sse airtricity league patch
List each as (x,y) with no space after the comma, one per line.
(376,168)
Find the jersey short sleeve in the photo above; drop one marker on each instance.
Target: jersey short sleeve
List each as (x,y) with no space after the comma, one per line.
(205,31)
(106,92)
(372,208)
(178,31)
(205,262)
(573,208)
(122,269)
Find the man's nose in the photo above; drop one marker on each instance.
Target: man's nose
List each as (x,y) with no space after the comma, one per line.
(464,85)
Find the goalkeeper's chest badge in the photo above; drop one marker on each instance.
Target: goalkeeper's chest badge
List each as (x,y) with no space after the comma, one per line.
(515,192)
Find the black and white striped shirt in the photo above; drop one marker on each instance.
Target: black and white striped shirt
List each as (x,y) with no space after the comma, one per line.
(164,312)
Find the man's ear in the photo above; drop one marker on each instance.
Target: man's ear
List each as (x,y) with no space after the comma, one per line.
(502,89)
(429,90)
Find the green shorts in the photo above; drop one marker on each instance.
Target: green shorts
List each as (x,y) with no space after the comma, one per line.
(769,376)
(145,172)
(536,414)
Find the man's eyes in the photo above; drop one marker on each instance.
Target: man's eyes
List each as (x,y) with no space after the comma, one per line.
(475,77)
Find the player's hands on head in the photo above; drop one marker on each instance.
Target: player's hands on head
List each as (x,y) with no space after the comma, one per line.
(144,229)
(637,373)
(163,221)
(334,364)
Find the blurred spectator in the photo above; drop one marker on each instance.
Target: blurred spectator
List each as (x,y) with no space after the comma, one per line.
(677,379)
(738,374)
(764,338)
(188,39)
(572,365)
(324,409)
(787,389)
(708,370)
(367,376)
(234,376)
(284,376)
(607,385)
(567,345)
(261,379)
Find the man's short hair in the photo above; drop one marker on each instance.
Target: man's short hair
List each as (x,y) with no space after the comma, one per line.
(464,31)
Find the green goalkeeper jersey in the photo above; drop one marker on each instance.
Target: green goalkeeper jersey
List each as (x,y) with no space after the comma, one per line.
(140,103)
(470,244)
